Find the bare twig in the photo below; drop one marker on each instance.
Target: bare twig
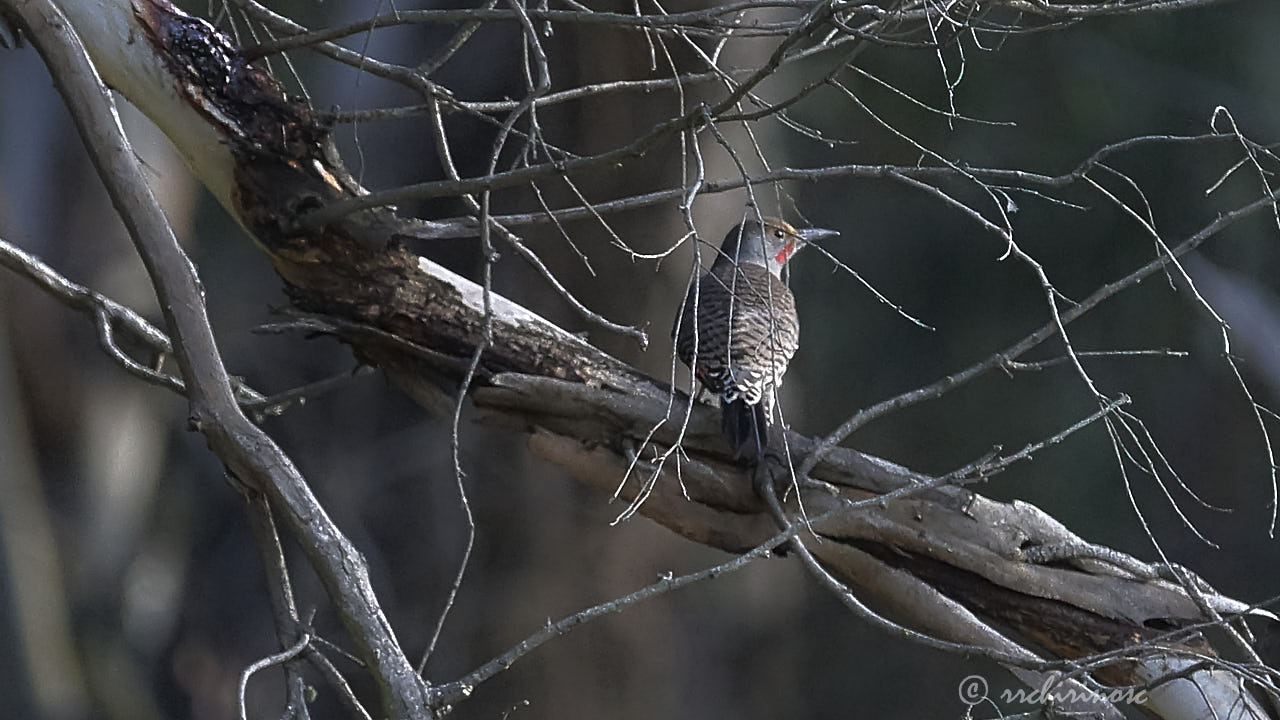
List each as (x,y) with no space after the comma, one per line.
(249,454)
(1016,350)
(266,662)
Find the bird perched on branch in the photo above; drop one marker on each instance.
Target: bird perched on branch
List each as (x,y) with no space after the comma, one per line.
(746,329)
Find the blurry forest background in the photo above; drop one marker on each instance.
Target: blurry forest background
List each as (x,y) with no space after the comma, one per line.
(129,583)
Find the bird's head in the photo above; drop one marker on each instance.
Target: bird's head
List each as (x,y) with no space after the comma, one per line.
(770,243)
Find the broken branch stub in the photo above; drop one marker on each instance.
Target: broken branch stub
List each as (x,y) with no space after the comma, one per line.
(270,162)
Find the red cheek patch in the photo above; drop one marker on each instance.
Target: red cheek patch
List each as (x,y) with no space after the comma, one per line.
(785,253)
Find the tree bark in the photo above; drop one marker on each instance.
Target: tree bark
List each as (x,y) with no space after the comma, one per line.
(956,568)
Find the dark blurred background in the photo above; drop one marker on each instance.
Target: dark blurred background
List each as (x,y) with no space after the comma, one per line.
(129,583)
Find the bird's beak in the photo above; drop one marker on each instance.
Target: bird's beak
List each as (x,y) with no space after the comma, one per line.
(809,235)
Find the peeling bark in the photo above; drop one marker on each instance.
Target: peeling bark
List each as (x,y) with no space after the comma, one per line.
(942,559)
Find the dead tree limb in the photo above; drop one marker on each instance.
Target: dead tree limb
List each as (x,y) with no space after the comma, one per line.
(247,452)
(931,559)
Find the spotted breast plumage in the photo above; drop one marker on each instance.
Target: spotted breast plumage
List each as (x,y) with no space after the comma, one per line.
(747,328)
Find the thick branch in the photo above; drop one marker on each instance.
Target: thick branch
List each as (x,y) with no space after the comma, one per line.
(612,426)
(248,453)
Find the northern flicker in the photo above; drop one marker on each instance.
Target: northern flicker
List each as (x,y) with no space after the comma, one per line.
(747,327)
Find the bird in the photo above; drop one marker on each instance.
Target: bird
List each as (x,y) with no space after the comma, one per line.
(747,328)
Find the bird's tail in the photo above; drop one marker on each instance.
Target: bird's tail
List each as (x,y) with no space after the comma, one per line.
(746,427)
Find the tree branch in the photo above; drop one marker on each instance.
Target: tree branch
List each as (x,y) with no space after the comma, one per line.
(247,452)
(933,557)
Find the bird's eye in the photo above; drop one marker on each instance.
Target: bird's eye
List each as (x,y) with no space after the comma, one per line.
(779,234)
